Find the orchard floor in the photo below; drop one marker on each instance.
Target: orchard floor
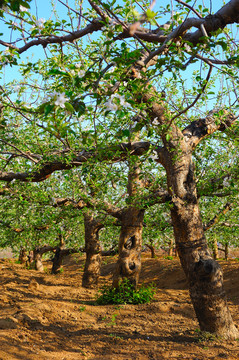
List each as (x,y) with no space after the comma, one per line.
(44,316)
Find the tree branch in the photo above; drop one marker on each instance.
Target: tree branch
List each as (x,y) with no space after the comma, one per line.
(157,197)
(95,25)
(228,14)
(190,7)
(202,128)
(112,153)
(217,217)
(197,97)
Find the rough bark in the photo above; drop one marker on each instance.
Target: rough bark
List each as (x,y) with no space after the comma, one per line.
(60,253)
(130,241)
(93,251)
(30,258)
(170,249)
(130,245)
(151,248)
(22,256)
(215,249)
(37,256)
(204,274)
(38,261)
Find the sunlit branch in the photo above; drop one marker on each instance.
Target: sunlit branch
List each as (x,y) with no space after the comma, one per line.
(202,128)
(94,26)
(217,217)
(112,153)
(190,7)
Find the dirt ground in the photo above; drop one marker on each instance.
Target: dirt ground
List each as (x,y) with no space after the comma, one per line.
(44,316)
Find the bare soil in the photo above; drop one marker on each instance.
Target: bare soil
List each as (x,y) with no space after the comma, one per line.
(44,316)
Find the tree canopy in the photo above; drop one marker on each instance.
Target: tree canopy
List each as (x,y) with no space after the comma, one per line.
(76,103)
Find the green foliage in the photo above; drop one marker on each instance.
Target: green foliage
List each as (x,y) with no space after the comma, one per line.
(125,294)
(168,257)
(60,104)
(14,4)
(205,336)
(82,308)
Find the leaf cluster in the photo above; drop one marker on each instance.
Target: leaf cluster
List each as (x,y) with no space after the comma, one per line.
(125,294)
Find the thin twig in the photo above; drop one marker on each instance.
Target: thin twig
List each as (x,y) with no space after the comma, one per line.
(26,155)
(190,7)
(196,99)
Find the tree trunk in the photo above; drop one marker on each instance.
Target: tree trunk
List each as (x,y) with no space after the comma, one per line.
(22,256)
(171,245)
(130,245)
(204,274)
(151,248)
(57,260)
(226,251)
(37,256)
(38,260)
(215,249)
(130,241)
(93,251)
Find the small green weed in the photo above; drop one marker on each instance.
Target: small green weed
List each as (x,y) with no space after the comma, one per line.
(168,257)
(113,320)
(205,336)
(125,294)
(82,308)
(115,337)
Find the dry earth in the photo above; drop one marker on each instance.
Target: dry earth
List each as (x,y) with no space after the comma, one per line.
(46,316)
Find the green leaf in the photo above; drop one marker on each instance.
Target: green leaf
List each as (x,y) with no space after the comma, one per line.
(57,72)
(126,132)
(48,108)
(69,107)
(167,137)
(150,14)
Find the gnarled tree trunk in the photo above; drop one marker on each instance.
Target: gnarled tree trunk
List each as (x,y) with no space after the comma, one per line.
(22,256)
(152,249)
(130,246)
(37,256)
(60,253)
(204,274)
(57,260)
(93,251)
(38,260)
(130,241)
